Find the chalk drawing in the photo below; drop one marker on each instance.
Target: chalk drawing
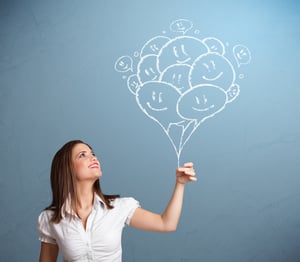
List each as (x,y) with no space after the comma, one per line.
(181,81)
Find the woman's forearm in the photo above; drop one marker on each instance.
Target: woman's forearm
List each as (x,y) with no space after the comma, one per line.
(172,213)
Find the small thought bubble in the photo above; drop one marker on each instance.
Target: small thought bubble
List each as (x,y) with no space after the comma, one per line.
(123,64)
(181,26)
(241,54)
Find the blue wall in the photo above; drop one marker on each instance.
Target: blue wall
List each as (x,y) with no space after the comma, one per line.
(58,82)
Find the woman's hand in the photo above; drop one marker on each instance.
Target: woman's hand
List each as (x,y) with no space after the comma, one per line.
(186,174)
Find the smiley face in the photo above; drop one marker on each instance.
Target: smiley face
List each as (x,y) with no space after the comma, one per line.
(158,101)
(154,45)
(133,83)
(147,69)
(212,69)
(177,75)
(201,102)
(180,50)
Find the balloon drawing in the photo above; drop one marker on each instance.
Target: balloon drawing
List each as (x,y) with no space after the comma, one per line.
(181,81)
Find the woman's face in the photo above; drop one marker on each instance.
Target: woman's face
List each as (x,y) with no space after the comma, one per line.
(85,163)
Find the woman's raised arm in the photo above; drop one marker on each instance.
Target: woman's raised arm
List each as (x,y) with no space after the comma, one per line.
(168,220)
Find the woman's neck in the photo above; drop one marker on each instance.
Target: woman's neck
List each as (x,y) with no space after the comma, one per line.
(85,196)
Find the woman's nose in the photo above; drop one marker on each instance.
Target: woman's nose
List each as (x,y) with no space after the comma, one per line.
(92,156)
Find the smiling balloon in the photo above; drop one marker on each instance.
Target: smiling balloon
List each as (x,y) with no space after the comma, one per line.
(158,101)
(214,45)
(177,75)
(133,83)
(153,46)
(201,102)
(147,69)
(214,69)
(180,50)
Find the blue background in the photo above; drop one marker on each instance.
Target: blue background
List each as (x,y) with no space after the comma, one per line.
(57,83)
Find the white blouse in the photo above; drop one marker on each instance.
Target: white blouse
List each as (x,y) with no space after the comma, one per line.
(101,241)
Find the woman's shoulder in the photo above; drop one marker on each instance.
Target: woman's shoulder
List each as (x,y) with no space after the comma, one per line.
(124,207)
(44,221)
(45,215)
(124,201)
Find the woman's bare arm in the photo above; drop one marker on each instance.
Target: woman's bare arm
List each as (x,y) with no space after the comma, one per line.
(168,220)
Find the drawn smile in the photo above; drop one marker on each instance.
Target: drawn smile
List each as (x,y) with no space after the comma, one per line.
(203,109)
(213,79)
(156,109)
(183,61)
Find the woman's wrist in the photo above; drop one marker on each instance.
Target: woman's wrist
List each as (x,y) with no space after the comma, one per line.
(179,183)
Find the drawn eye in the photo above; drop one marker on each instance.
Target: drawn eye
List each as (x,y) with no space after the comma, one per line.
(207,66)
(183,50)
(175,51)
(198,101)
(153,96)
(213,64)
(160,97)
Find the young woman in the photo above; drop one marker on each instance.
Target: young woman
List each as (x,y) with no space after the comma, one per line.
(86,225)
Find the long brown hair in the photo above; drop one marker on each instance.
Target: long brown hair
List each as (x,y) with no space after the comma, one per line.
(63,182)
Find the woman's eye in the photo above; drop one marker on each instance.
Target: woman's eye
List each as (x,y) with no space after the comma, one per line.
(82,154)
(86,154)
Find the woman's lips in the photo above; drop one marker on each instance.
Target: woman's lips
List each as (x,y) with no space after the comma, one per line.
(94,165)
